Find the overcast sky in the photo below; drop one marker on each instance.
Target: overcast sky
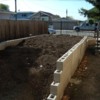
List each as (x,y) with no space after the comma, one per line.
(58,7)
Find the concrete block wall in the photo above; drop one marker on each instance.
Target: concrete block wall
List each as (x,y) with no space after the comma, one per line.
(66,66)
(91,41)
(11,43)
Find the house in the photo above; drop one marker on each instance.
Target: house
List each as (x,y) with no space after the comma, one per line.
(8,15)
(65,23)
(21,15)
(44,16)
(41,16)
(5,14)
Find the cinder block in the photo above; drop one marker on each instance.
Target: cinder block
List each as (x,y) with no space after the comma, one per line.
(2,45)
(54,88)
(91,41)
(57,76)
(76,59)
(52,97)
(13,42)
(62,59)
(59,65)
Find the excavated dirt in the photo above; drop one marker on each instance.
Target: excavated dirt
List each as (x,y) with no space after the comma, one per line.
(85,83)
(26,71)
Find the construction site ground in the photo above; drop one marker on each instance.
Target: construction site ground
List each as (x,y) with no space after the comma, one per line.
(26,70)
(85,83)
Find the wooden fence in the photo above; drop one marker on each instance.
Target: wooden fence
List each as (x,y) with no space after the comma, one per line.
(11,29)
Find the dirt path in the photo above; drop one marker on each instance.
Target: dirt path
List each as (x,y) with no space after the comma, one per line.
(87,85)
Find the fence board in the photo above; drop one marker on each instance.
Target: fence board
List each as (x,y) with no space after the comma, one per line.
(11,29)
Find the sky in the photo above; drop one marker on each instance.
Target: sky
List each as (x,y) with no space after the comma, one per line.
(57,7)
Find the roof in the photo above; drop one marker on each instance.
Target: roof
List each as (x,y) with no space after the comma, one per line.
(25,12)
(42,12)
(65,19)
(3,11)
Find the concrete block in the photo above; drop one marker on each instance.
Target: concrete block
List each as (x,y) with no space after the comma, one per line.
(57,76)
(91,41)
(52,97)
(59,65)
(2,45)
(13,42)
(54,88)
(62,59)
(75,59)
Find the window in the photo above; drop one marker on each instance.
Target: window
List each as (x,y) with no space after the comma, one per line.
(24,15)
(87,24)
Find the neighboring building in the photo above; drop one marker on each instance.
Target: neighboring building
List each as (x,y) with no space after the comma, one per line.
(5,14)
(53,20)
(21,15)
(65,19)
(64,23)
(12,16)
(42,16)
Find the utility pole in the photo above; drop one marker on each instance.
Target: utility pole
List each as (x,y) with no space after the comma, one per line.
(15,9)
(66,13)
(61,27)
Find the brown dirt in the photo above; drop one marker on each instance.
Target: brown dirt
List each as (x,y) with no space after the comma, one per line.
(26,71)
(89,75)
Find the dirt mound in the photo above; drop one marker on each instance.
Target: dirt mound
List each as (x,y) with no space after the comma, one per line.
(30,66)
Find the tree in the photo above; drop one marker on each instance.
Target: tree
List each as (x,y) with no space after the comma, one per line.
(4,7)
(93,13)
(95,3)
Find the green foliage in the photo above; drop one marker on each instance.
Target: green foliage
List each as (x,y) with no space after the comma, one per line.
(93,13)
(83,12)
(95,3)
(91,21)
(4,7)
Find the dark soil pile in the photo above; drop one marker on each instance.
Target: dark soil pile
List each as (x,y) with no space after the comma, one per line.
(26,71)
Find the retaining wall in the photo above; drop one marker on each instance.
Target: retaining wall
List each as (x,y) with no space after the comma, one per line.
(11,43)
(66,66)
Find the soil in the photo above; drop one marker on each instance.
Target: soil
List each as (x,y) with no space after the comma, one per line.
(26,70)
(85,83)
